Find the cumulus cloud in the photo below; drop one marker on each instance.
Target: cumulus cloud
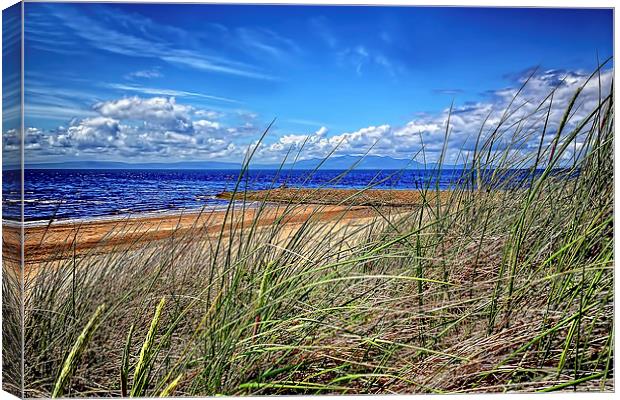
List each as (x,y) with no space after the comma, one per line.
(318,144)
(157,108)
(520,119)
(208,114)
(92,133)
(147,128)
(160,128)
(204,124)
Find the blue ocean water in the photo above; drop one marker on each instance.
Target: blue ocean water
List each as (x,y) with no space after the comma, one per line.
(82,194)
(85,194)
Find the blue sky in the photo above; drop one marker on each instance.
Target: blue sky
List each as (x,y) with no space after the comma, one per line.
(147,82)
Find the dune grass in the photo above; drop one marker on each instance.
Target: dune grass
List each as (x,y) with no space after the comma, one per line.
(506,284)
(370,197)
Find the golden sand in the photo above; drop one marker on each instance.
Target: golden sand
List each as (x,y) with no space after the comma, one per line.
(64,239)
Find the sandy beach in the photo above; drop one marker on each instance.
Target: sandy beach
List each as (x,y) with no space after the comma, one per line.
(61,239)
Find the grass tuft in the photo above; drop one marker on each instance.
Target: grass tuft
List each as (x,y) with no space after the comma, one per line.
(73,358)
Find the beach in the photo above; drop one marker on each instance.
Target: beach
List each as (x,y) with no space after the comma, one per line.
(56,240)
(352,197)
(204,200)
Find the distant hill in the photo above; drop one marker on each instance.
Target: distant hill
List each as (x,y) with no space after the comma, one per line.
(367,162)
(333,163)
(124,165)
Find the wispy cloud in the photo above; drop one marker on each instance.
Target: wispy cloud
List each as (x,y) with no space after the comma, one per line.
(161,127)
(320,26)
(266,42)
(142,38)
(386,37)
(44,31)
(305,122)
(450,92)
(55,103)
(203,63)
(55,112)
(144,74)
(165,92)
(360,57)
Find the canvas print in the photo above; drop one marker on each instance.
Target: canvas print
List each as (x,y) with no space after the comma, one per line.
(209,199)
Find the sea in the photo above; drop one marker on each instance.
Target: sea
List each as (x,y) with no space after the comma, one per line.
(82,194)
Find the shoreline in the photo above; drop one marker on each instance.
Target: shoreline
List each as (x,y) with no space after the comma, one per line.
(256,198)
(60,239)
(126,216)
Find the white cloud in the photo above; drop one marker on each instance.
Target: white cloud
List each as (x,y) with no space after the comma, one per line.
(92,134)
(319,25)
(204,124)
(208,114)
(265,42)
(166,92)
(161,128)
(139,128)
(130,35)
(11,141)
(466,121)
(176,138)
(360,57)
(156,110)
(145,74)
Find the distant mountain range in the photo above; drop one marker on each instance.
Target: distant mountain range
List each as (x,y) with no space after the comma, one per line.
(367,162)
(333,163)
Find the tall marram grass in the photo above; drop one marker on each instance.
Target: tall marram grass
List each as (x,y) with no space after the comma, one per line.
(505,286)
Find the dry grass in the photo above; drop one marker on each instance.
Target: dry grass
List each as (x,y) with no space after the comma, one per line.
(350,197)
(478,292)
